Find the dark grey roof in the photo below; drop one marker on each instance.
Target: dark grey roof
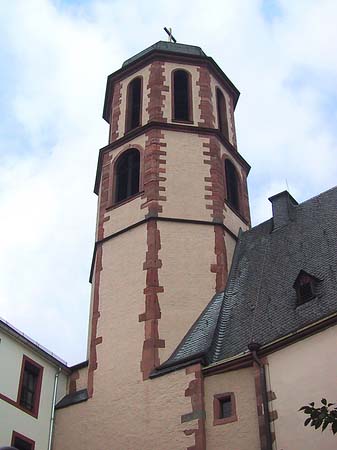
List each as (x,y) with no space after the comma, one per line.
(199,338)
(259,302)
(72,399)
(184,49)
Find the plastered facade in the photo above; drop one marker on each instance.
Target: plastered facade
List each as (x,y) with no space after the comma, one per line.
(187,253)
(242,434)
(185,177)
(311,379)
(153,410)
(11,417)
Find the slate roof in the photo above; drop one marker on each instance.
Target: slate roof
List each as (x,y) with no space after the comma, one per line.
(259,302)
(183,49)
(73,399)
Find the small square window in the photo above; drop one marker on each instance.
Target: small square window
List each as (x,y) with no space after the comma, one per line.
(30,386)
(224,408)
(21,442)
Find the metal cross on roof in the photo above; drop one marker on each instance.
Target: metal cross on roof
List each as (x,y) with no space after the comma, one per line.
(170,35)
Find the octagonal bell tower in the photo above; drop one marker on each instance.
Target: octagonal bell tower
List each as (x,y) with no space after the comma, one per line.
(172,196)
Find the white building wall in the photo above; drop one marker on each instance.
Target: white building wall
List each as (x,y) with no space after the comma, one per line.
(11,417)
(299,374)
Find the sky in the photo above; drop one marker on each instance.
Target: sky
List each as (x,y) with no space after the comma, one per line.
(55,56)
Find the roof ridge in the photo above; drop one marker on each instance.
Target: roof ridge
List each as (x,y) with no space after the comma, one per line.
(317,196)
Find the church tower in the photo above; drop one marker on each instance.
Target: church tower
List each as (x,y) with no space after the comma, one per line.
(172,196)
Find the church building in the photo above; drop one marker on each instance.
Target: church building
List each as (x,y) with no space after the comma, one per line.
(204,333)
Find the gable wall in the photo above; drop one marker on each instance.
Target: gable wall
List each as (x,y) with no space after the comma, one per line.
(299,374)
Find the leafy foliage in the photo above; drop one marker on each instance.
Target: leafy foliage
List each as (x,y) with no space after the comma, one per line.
(322,416)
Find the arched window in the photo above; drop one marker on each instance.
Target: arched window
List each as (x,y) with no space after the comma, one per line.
(133,104)
(127,175)
(181,95)
(222,113)
(232,185)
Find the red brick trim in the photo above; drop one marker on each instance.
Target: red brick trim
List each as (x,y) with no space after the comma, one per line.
(153,177)
(152,314)
(37,394)
(115,111)
(231,121)
(217,419)
(127,127)
(159,219)
(154,157)
(259,405)
(72,381)
(8,400)
(220,268)
(215,188)
(205,94)
(15,435)
(156,95)
(244,197)
(195,391)
(190,98)
(215,192)
(95,313)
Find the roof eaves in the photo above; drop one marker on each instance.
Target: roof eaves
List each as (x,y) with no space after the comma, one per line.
(160,53)
(34,345)
(172,367)
(73,399)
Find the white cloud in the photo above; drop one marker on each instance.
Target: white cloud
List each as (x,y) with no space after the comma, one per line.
(57,58)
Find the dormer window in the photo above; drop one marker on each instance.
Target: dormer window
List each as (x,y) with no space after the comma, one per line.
(306,287)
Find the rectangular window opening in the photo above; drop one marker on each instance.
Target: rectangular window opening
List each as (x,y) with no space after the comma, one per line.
(21,442)
(30,386)
(225,407)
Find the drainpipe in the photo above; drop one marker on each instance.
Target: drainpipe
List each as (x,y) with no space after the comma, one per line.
(52,417)
(254,347)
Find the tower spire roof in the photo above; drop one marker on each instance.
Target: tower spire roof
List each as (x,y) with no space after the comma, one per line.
(171,47)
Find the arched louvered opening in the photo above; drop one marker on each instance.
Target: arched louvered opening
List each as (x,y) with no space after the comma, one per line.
(232,185)
(127,175)
(181,95)
(133,104)
(222,113)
